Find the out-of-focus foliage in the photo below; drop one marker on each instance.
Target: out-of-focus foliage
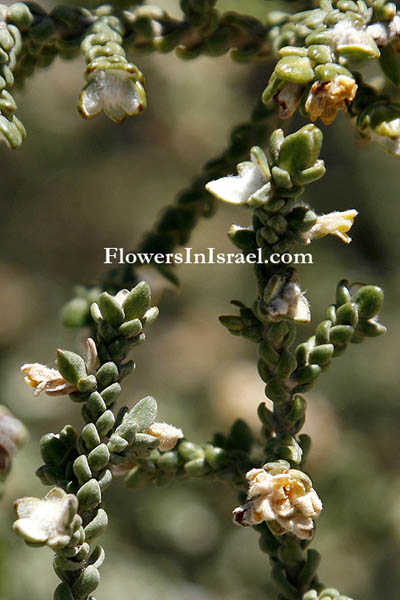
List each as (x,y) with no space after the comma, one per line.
(76,187)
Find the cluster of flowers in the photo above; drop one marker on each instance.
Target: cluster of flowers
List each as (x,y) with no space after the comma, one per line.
(281,496)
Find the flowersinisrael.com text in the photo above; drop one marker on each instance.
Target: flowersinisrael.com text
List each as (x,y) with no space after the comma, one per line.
(208,257)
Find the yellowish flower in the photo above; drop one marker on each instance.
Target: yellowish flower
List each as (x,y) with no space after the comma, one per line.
(326,98)
(282,496)
(45,379)
(335,223)
(167,435)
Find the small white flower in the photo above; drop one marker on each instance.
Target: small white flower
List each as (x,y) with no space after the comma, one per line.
(45,379)
(349,37)
(385,32)
(282,496)
(292,303)
(168,435)
(51,521)
(253,178)
(115,91)
(335,223)
(286,299)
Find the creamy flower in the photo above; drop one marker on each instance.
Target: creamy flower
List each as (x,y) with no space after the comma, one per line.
(51,521)
(283,297)
(253,178)
(45,379)
(326,98)
(350,38)
(290,302)
(115,91)
(167,435)
(335,223)
(283,496)
(385,32)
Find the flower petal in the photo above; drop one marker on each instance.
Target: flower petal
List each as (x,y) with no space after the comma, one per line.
(237,189)
(25,506)
(31,531)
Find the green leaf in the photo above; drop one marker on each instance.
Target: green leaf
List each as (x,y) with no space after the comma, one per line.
(369,300)
(341,334)
(196,467)
(89,495)
(300,150)
(296,69)
(111,310)
(233,323)
(217,458)
(63,592)
(111,393)
(240,436)
(71,366)
(347,314)
(168,461)
(309,570)
(99,458)
(131,328)
(390,63)
(81,469)
(76,313)
(143,414)
(138,478)
(52,449)
(190,451)
(321,355)
(276,391)
(87,582)
(96,525)
(107,374)
(138,301)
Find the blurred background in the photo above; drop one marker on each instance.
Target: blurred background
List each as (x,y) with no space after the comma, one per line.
(78,186)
